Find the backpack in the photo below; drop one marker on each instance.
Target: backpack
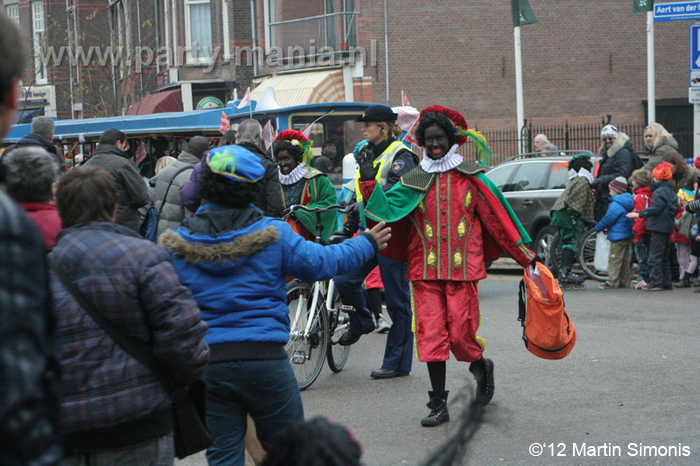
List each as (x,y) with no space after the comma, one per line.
(547,329)
(149,226)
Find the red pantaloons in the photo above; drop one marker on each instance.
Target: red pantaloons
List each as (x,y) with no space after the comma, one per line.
(446,317)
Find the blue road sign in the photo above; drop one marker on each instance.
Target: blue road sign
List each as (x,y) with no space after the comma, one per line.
(694,55)
(676,11)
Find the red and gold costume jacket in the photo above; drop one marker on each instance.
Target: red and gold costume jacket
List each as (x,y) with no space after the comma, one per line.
(457,221)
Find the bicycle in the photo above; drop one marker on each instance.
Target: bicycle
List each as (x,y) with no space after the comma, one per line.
(586,255)
(317,319)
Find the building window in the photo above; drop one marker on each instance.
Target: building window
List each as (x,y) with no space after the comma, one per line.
(226,25)
(198,30)
(13,12)
(38,42)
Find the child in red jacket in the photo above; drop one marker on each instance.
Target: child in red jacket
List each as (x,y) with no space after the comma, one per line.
(641,179)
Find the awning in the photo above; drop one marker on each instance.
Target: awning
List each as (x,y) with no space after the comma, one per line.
(304,88)
(167,101)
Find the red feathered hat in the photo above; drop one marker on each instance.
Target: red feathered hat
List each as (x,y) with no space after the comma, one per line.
(454,116)
(291,134)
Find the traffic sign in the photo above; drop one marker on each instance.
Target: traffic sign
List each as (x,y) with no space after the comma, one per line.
(694,55)
(694,95)
(676,11)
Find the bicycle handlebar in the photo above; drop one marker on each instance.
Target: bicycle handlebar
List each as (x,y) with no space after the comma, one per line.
(342,208)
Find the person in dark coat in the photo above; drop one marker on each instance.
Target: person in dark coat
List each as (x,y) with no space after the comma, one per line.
(41,135)
(661,215)
(114,408)
(616,154)
(269,198)
(29,388)
(132,192)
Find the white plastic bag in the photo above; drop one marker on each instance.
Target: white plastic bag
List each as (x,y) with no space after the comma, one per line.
(602,252)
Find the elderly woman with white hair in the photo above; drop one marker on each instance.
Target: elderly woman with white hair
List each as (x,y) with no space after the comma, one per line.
(31,174)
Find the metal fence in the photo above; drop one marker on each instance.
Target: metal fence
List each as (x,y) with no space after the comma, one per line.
(315,35)
(506,143)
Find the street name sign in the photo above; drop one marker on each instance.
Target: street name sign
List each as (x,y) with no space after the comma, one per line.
(676,11)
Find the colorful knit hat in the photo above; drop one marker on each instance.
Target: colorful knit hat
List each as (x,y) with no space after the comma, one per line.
(663,171)
(463,132)
(696,162)
(619,185)
(235,163)
(297,138)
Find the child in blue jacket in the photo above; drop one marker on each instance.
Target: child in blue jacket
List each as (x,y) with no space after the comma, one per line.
(620,234)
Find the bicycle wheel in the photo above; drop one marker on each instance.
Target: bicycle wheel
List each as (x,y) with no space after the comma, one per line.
(555,252)
(586,256)
(306,353)
(338,322)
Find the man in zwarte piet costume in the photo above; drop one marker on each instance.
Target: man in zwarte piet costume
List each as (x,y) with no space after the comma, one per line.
(303,185)
(459,219)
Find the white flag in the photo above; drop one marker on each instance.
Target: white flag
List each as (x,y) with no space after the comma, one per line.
(245,102)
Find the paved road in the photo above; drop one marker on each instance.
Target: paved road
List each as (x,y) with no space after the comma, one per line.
(631,379)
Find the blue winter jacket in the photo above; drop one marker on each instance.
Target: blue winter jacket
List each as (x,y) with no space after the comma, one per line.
(236,263)
(615,220)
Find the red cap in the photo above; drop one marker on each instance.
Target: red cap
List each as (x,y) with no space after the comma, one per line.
(454,116)
(291,134)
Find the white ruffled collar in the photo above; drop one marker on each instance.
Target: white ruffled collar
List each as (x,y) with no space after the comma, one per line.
(294,176)
(449,161)
(581,173)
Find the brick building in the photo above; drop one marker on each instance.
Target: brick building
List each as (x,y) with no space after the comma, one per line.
(582,61)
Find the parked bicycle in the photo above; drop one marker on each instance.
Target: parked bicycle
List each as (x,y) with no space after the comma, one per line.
(317,318)
(586,255)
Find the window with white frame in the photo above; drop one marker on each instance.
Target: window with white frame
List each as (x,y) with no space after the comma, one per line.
(40,68)
(226,25)
(13,12)
(198,30)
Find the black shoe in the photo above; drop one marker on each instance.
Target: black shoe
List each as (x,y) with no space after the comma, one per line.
(387,374)
(438,411)
(483,372)
(348,338)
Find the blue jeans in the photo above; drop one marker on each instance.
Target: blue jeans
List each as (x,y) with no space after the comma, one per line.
(265,389)
(641,250)
(398,354)
(157,452)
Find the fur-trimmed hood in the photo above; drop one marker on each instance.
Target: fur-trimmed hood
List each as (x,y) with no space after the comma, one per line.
(620,142)
(213,254)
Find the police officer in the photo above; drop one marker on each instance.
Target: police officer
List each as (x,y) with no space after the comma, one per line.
(391,160)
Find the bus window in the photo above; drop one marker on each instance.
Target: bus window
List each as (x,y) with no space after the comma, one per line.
(338,130)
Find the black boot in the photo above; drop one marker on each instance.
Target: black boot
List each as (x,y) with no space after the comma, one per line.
(567,263)
(483,373)
(438,411)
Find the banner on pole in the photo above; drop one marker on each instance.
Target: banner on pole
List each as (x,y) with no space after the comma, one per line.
(224,123)
(268,135)
(522,13)
(642,6)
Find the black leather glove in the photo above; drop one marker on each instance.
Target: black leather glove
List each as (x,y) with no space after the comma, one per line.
(352,222)
(365,160)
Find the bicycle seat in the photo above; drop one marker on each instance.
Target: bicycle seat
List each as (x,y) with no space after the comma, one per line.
(338,237)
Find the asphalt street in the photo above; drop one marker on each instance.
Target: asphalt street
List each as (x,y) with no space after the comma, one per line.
(628,392)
